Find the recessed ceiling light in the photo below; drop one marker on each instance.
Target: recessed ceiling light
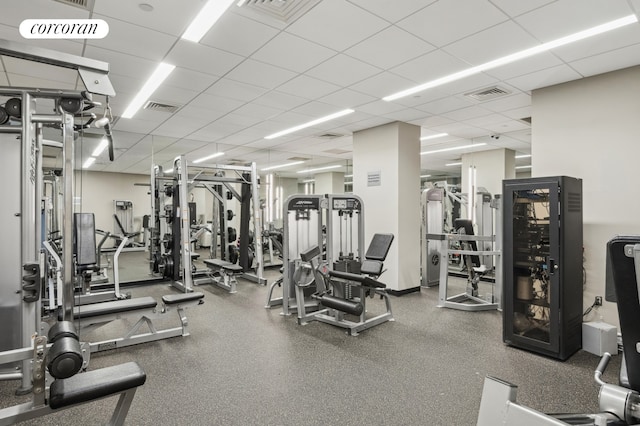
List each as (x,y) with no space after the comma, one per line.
(319,169)
(155,80)
(208,157)
(145,7)
(608,26)
(453,148)
(437,135)
(282,165)
(310,123)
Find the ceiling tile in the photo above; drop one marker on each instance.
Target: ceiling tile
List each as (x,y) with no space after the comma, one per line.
(238,34)
(202,58)
(461,130)
(347,98)
(406,115)
(39,70)
(3,79)
(214,106)
(190,80)
(466,113)
(343,70)
(280,100)
(435,23)
(260,74)
(469,84)
(525,66)
(486,120)
(10,32)
(17,12)
(235,90)
(180,126)
(610,61)
(260,112)
(544,78)
(383,84)
(293,53)
(507,126)
(169,17)
(389,47)
(308,87)
(561,18)
(20,80)
(392,11)
(343,25)
(498,41)
(617,39)
(149,44)
(516,100)
(124,64)
(428,67)
(173,95)
(380,107)
(518,113)
(445,105)
(515,8)
(432,121)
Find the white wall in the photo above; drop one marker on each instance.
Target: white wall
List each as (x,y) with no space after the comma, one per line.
(98,190)
(589,129)
(329,183)
(492,167)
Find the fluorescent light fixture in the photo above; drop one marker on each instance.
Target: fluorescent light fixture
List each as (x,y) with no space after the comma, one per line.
(159,75)
(459,163)
(437,135)
(89,162)
(100,148)
(209,157)
(282,165)
(348,176)
(523,156)
(319,169)
(308,181)
(310,123)
(581,35)
(425,176)
(523,167)
(453,148)
(209,14)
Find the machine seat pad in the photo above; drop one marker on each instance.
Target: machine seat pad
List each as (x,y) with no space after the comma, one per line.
(174,299)
(96,384)
(363,280)
(371,267)
(195,255)
(115,307)
(223,264)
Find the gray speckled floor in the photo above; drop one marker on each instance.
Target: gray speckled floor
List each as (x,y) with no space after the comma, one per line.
(244,365)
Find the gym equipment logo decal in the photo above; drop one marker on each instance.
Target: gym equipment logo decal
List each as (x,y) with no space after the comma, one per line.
(64,28)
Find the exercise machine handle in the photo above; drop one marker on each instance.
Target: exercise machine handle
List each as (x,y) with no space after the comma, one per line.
(602,365)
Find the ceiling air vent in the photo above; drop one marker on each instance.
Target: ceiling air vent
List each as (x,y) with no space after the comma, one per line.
(298,159)
(336,151)
(236,162)
(526,120)
(329,136)
(157,106)
(488,93)
(82,4)
(285,11)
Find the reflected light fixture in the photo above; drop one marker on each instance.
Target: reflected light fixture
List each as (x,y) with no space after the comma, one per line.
(279,166)
(458,163)
(437,135)
(453,148)
(209,157)
(581,35)
(319,169)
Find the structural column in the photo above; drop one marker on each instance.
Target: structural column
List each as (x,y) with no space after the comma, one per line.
(329,183)
(386,175)
(490,169)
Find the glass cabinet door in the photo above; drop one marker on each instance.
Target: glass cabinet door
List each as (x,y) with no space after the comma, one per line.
(534,292)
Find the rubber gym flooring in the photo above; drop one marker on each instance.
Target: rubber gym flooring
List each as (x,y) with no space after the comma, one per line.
(247,365)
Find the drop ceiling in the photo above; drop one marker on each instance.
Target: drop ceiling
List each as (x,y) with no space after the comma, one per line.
(269,66)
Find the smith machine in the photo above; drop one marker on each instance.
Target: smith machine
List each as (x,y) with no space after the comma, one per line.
(173,222)
(25,350)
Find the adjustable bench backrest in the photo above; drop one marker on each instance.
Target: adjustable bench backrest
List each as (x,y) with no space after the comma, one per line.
(625,281)
(467,225)
(85,240)
(376,254)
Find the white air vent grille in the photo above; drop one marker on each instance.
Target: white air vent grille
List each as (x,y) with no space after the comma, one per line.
(298,159)
(488,93)
(236,162)
(82,4)
(157,106)
(285,11)
(329,136)
(337,151)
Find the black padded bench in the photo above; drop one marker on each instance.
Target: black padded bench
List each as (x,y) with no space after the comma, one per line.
(177,299)
(95,384)
(114,307)
(227,273)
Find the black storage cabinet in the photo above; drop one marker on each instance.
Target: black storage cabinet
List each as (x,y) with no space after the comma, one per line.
(542,265)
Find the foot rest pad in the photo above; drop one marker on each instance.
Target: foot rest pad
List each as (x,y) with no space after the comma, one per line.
(223,264)
(115,307)
(85,387)
(362,279)
(174,299)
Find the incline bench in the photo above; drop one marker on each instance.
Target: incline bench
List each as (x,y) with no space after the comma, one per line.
(224,273)
(93,316)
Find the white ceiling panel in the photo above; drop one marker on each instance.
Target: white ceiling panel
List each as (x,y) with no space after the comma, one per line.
(136,126)
(516,100)
(3,79)
(308,87)
(525,66)
(515,8)
(460,129)
(507,126)
(293,53)
(342,24)
(392,11)
(486,121)
(190,80)
(561,18)
(180,127)
(428,67)
(405,115)
(389,47)
(383,84)
(260,74)
(445,105)
(544,78)
(21,80)
(518,113)
(173,95)
(434,120)
(215,106)
(235,90)
(469,84)
(622,58)
(10,32)
(347,98)
(343,70)
(198,57)
(38,70)
(17,12)
(169,17)
(498,41)
(467,113)
(150,44)
(238,34)
(612,40)
(280,100)
(434,23)
(380,107)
